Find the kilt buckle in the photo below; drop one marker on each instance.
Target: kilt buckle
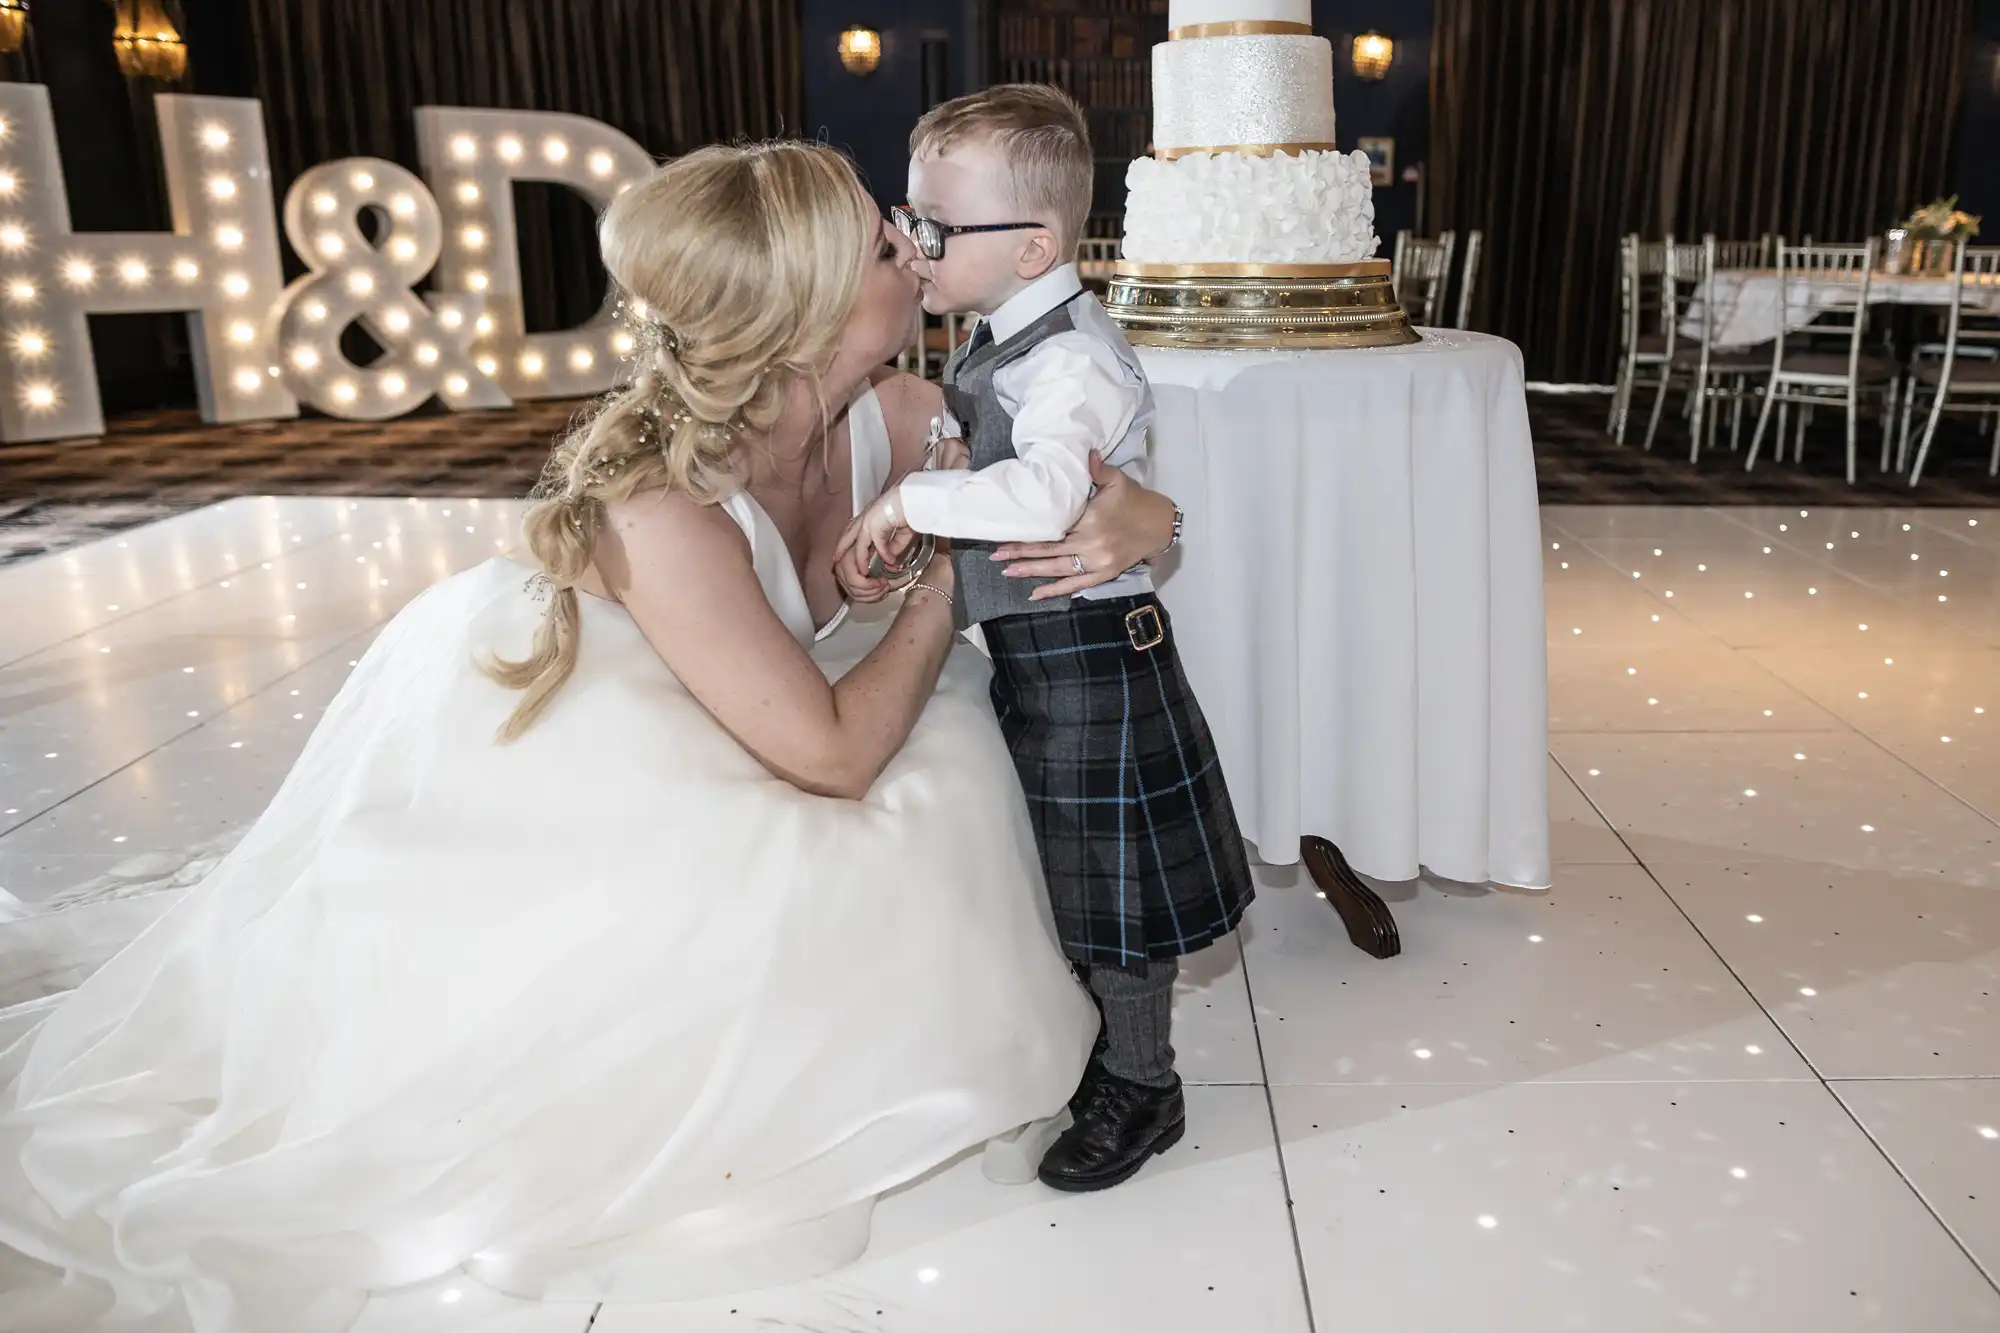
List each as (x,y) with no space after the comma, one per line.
(1144,627)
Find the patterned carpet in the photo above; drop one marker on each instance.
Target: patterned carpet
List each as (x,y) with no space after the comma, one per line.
(1577,463)
(150,466)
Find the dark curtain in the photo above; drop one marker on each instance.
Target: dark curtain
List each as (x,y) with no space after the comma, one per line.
(340,78)
(1560,125)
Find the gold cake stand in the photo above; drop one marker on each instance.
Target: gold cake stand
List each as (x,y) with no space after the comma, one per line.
(1258,305)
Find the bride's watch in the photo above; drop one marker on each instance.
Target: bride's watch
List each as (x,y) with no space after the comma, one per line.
(1172,541)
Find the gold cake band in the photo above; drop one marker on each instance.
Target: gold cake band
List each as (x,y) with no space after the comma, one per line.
(1247,149)
(1258,305)
(1188,32)
(1364,268)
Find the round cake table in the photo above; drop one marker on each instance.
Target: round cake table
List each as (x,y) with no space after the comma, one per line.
(1359,606)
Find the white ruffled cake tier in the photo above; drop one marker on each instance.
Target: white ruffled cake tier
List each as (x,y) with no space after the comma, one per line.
(1234,208)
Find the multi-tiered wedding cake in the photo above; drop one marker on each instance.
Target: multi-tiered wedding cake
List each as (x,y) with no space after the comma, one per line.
(1243,167)
(1246,227)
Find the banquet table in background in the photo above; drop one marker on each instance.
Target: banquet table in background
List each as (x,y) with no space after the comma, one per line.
(1359,601)
(1747,300)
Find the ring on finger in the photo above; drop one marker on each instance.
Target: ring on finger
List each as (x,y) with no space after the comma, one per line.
(1077,560)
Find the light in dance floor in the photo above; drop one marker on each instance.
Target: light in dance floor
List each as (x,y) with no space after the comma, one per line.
(1739,1069)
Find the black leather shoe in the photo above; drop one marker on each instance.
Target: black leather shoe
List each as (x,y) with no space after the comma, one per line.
(1120,1126)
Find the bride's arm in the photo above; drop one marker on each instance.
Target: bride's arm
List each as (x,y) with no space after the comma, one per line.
(684,573)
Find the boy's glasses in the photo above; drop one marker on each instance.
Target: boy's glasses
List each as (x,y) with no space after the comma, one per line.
(930,234)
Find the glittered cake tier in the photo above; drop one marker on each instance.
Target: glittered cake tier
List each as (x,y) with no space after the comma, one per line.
(1242,90)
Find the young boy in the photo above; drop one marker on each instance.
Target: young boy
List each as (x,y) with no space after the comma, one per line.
(1139,844)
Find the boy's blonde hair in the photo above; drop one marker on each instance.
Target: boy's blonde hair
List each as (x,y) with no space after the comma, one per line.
(1043,136)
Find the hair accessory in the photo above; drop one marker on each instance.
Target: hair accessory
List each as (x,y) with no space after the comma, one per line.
(649,332)
(660,417)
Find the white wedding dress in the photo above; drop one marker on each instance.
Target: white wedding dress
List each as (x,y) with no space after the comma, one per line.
(609,1013)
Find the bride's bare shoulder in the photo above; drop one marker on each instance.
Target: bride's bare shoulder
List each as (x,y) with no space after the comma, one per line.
(663,533)
(908,404)
(906,396)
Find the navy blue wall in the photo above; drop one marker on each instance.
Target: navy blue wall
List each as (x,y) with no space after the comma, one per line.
(871,117)
(1398,107)
(1977,178)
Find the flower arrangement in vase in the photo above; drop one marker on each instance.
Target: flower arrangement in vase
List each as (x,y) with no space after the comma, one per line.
(1924,242)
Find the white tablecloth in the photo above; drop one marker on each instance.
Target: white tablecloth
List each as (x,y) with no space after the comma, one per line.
(1747,300)
(1359,598)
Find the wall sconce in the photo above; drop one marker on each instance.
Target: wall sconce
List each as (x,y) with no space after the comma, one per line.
(1373,54)
(861,50)
(147,44)
(13,25)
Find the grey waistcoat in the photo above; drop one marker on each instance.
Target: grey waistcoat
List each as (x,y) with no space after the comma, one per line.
(983,592)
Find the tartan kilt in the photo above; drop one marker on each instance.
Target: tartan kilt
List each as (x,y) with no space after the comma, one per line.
(1138,839)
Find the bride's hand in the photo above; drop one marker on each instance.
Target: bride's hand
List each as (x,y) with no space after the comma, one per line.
(1124,524)
(850,568)
(953,454)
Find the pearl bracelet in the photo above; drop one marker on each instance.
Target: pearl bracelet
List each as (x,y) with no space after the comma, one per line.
(926,587)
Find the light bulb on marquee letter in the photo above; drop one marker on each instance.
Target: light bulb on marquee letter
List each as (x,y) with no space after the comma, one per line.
(472,157)
(219,184)
(354,281)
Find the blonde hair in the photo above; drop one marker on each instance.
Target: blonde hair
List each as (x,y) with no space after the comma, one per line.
(743,264)
(1042,134)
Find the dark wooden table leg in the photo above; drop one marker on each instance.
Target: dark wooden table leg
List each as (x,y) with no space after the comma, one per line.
(1369,923)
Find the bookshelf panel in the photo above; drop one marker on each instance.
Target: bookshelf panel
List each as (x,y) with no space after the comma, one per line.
(1101,53)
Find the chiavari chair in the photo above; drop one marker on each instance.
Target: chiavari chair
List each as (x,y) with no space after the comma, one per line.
(1468,279)
(1718,374)
(1975,380)
(1645,331)
(1832,281)
(1097,257)
(1421,269)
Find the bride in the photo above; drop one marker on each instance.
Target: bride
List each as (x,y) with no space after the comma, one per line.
(596,945)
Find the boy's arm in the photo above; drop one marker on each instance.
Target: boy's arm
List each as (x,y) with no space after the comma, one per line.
(1072,395)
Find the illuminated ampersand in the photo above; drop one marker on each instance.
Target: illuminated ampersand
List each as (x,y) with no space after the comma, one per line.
(356,280)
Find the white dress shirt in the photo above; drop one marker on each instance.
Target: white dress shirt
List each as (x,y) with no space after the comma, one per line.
(1073,393)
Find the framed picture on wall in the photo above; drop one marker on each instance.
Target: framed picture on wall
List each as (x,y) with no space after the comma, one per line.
(1381,158)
